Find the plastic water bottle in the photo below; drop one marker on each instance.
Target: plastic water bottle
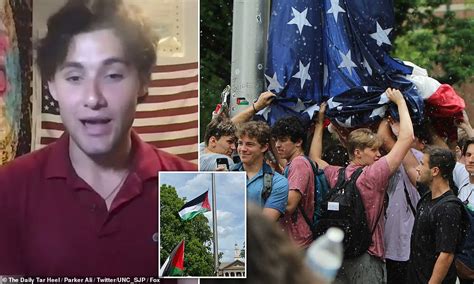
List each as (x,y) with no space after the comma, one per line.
(324,256)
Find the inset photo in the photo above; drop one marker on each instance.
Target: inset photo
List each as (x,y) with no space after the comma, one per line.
(202,226)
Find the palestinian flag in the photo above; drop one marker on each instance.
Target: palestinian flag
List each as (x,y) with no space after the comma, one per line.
(195,207)
(174,264)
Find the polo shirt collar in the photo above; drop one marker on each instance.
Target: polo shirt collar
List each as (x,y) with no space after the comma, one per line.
(145,163)
(264,169)
(58,163)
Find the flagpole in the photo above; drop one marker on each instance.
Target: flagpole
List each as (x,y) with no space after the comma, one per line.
(249,41)
(214,224)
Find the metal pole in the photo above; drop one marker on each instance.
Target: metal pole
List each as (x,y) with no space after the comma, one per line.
(249,45)
(214,224)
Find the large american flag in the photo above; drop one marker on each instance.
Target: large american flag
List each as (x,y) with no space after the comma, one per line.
(335,50)
(168,118)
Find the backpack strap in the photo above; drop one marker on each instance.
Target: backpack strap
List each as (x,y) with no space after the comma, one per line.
(341,178)
(377,220)
(267,182)
(356,174)
(353,180)
(465,219)
(300,206)
(465,202)
(407,196)
(314,166)
(267,179)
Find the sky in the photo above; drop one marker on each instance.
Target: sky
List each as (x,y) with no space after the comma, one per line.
(230,197)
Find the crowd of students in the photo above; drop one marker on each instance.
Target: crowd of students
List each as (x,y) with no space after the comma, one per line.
(408,180)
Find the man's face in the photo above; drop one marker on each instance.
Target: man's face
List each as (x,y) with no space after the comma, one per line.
(469,159)
(97,91)
(250,151)
(368,156)
(225,145)
(286,148)
(425,175)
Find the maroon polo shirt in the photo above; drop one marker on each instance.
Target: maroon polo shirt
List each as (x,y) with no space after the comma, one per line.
(52,223)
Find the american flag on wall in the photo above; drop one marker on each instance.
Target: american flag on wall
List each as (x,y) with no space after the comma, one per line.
(167,119)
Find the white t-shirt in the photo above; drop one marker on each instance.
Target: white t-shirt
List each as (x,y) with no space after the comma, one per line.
(460,175)
(467,193)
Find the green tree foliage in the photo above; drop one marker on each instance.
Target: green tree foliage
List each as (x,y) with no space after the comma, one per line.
(215,53)
(439,43)
(198,257)
(242,253)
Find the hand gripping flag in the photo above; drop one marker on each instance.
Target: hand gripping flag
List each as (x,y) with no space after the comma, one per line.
(174,264)
(335,49)
(195,207)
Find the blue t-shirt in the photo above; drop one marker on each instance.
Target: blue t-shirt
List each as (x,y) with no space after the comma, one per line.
(278,198)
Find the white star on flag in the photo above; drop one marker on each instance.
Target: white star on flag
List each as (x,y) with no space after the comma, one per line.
(383,99)
(299,19)
(346,123)
(335,9)
(299,106)
(381,35)
(332,104)
(303,74)
(367,66)
(273,83)
(347,61)
(311,110)
(264,112)
(380,111)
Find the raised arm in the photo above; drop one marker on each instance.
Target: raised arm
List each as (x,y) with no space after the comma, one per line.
(316,149)
(409,161)
(405,138)
(466,125)
(263,101)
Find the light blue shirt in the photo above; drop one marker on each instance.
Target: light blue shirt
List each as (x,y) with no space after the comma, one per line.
(278,198)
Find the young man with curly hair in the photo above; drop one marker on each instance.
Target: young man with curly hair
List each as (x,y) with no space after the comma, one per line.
(253,142)
(297,221)
(89,202)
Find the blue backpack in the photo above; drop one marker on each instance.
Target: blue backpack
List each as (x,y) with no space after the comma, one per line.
(321,188)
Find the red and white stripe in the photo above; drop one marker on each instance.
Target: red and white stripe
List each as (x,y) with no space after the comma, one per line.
(167,119)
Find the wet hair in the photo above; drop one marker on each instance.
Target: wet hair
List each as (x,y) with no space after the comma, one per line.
(256,130)
(423,133)
(219,127)
(442,158)
(290,127)
(80,16)
(468,142)
(336,155)
(362,138)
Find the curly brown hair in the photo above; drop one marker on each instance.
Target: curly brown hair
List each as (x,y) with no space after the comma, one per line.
(255,129)
(79,16)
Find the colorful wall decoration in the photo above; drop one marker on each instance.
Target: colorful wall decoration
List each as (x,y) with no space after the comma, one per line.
(15,79)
